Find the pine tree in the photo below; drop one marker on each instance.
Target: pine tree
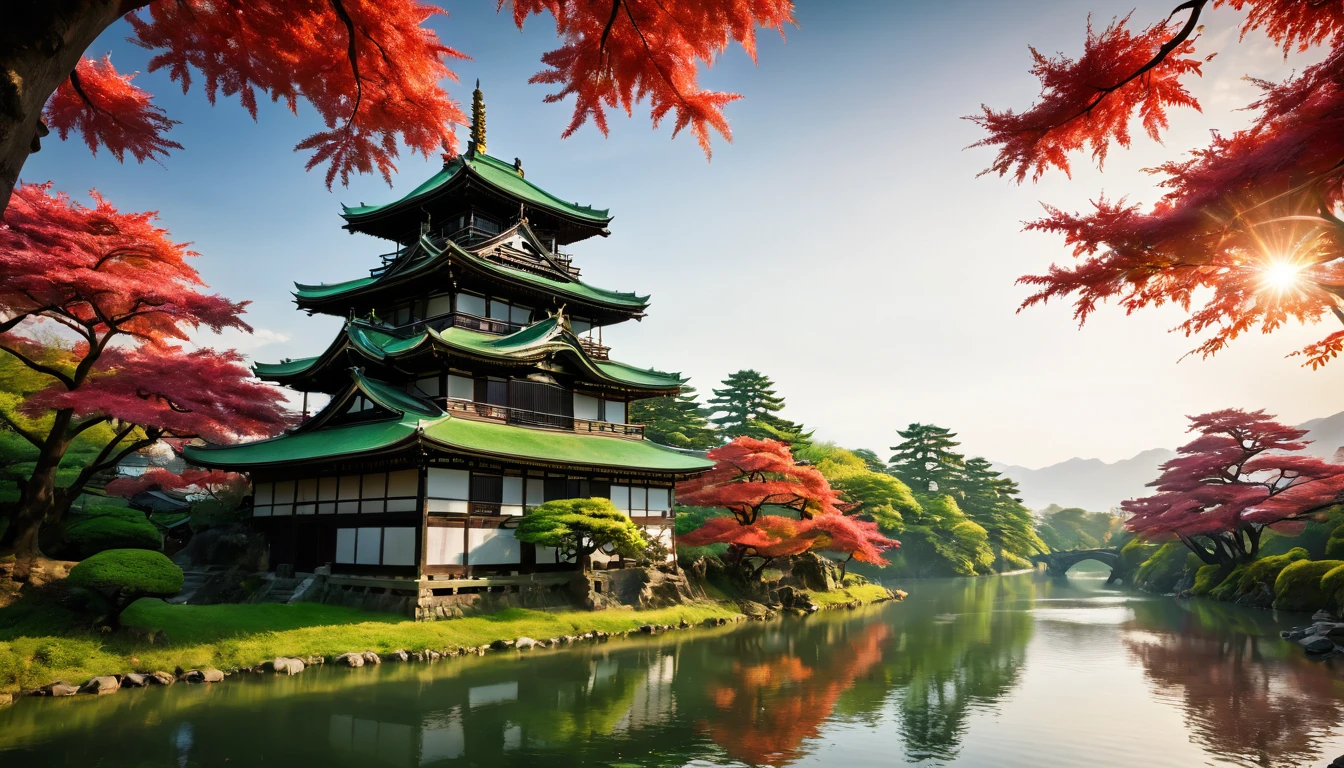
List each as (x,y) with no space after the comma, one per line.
(993,501)
(925,459)
(747,405)
(676,420)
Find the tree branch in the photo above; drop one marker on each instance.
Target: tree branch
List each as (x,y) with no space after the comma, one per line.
(353,55)
(40,368)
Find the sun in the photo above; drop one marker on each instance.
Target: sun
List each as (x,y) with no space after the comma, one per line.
(1281,275)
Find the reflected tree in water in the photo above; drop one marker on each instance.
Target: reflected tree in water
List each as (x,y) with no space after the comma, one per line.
(1247,695)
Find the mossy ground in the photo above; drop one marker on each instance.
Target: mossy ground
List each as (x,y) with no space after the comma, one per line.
(1299,586)
(42,641)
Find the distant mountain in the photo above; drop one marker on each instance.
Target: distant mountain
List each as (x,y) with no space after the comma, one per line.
(1098,486)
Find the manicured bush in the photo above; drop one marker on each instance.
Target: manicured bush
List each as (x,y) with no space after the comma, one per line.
(100,528)
(1165,568)
(1253,583)
(1332,584)
(135,570)
(579,527)
(123,576)
(1299,586)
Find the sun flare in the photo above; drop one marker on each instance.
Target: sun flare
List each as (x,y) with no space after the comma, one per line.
(1281,275)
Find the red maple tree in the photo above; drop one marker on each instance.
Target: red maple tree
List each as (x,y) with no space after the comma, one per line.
(1244,473)
(1247,234)
(370,68)
(94,301)
(751,476)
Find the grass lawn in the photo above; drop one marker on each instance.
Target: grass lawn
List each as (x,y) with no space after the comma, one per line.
(42,641)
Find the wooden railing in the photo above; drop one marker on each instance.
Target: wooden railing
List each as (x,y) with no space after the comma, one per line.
(595,349)
(463,320)
(503,413)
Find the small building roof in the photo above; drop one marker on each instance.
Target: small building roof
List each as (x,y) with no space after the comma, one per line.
(502,176)
(430,253)
(418,422)
(534,343)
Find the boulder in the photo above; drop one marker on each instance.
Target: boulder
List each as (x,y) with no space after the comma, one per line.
(58,689)
(134,680)
(160,678)
(399,655)
(1317,644)
(286,666)
(101,685)
(812,571)
(648,629)
(754,610)
(501,645)
(524,643)
(1322,615)
(371,658)
(684,624)
(203,676)
(350,659)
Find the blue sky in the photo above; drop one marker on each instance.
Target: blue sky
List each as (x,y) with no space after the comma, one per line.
(842,244)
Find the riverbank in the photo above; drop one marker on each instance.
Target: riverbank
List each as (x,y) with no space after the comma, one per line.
(41,643)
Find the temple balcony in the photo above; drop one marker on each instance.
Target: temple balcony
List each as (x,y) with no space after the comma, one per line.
(469,409)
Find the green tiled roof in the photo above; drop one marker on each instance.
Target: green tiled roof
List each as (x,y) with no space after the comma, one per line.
(419,420)
(534,342)
(498,174)
(304,446)
(505,440)
(434,252)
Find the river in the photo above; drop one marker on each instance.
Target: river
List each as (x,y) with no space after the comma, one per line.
(1005,671)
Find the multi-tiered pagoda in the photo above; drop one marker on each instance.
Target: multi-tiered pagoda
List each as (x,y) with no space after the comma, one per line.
(468,385)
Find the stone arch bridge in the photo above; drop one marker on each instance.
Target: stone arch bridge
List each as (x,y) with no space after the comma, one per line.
(1059,563)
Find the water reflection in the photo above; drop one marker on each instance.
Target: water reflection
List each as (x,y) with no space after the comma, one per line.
(1245,694)
(969,672)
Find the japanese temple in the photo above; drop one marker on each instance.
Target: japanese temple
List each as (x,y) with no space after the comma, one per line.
(468,384)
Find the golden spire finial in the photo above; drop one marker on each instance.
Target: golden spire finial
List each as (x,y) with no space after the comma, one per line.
(478,118)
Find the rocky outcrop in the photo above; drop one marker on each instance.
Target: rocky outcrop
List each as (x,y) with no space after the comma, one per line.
(160,678)
(350,659)
(1324,636)
(640,588)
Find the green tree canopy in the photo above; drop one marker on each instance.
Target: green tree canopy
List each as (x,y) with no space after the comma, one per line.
(676,420)
(992,501)
(580,527)
(747,405)
(926,460)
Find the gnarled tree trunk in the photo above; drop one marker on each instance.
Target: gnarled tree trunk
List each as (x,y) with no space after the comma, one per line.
(41,41)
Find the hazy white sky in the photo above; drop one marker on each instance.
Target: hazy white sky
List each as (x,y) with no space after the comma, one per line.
(842,244)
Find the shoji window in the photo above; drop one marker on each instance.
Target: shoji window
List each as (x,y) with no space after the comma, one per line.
(439,305)
(445,545)
(263,495)
(326,495)
(512,497)
(640,501)
(460,387)
(403,490)
(375,546)
(347,496)
(471,305)
(448,490)
(373,493)
(307,497)
(284,498)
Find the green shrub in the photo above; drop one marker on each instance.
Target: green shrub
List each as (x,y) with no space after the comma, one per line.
(1207,578)
(101,528)
(1165,568)
(1133,554)
(1334,546)
(128,570)
(1299,586)
(1253,583)
(854,580)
